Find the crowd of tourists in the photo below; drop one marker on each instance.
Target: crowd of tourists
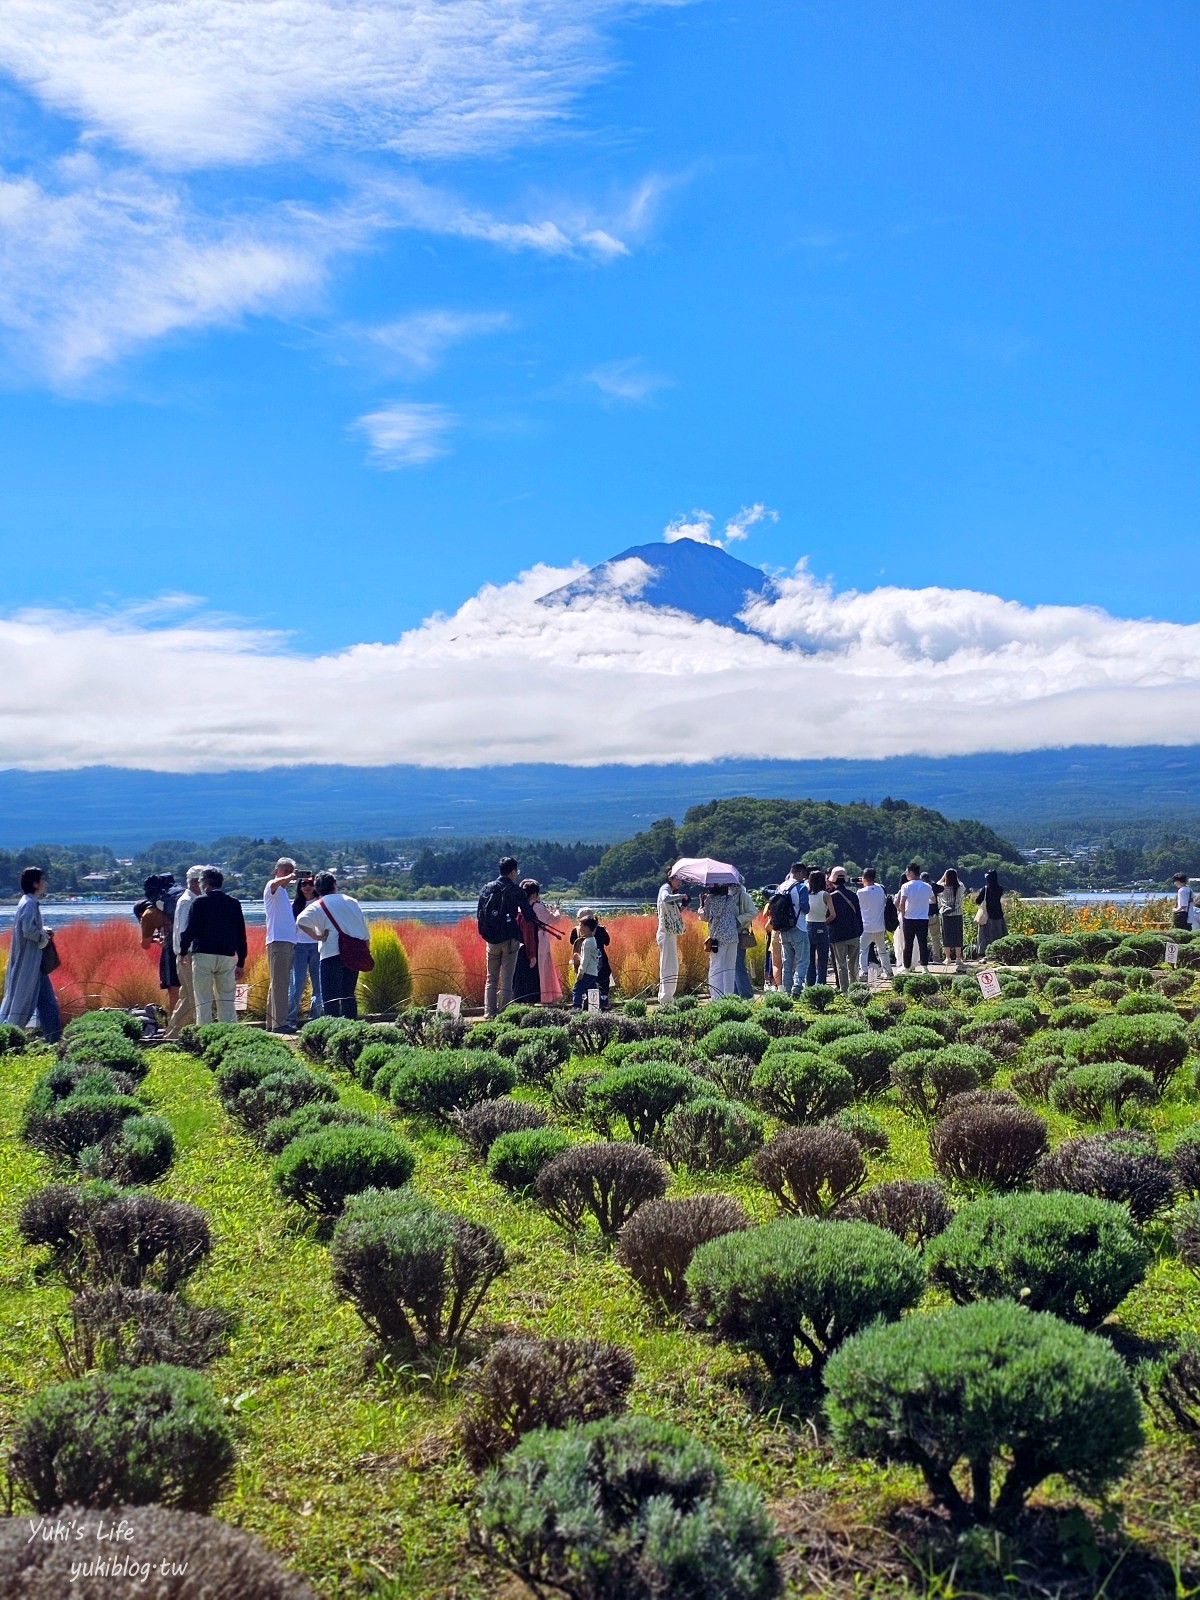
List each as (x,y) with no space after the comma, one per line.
(816,923)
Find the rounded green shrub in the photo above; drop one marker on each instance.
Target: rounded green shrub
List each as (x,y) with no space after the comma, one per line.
(108,1049)
(320,1170)
(280,1131)
(709,1134)
(1066,1253)
(995,1386)
(1108,989)
(515,1159)
(1013,950)
(12,1038)
(279,1094)
(925,1080)
(314,1035)
(1104,1091)
(1056,949)
(139,1434)
(539,1057)
(801,1281)
(736,1039)
(917,985)
(867,1131)
(1159,1044)
(411,1270)
(94,1023)
(803,1088)
(867,1057)
(139,1150)
(1145,1003)
(643,1095)
(438,1083)
(818,997)
(62,1127)
(626,1507)
(824,1030)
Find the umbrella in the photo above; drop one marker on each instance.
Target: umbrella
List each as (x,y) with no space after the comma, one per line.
(704,870)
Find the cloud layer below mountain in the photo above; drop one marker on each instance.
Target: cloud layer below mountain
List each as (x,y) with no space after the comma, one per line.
(606,679)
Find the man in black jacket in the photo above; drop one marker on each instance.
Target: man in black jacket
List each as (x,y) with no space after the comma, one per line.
(214,942)
(845,931)
(496,918)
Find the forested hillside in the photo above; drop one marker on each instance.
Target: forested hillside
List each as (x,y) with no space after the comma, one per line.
(762,837)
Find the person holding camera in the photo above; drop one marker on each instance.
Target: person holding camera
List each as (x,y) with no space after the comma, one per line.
(670,904)
(281,944)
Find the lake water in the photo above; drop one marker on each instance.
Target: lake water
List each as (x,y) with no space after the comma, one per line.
(59,912)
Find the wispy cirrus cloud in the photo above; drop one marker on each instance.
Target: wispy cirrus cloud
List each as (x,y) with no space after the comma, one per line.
(201,83)
(627,381)
(127,239)
(893,671)
(407,433)
(422,339)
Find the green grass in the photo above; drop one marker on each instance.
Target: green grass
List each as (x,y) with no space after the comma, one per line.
(348,1463)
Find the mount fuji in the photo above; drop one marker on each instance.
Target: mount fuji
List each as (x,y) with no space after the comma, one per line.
(687,575)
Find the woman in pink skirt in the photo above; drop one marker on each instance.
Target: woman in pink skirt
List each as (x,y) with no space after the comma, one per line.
(551,988)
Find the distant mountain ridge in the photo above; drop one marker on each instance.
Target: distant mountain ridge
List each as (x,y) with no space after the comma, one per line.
(1084,788)
(686,575)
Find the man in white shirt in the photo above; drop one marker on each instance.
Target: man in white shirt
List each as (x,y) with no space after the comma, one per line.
(330,914)
(916,898)
(671,901)
(281,943)
(871,901)
(185,1007)
(1183,901)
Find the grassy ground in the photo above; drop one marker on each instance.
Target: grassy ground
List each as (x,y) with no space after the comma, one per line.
(348,1461)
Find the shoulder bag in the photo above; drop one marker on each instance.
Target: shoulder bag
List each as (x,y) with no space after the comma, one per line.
(354,954)
(51,960)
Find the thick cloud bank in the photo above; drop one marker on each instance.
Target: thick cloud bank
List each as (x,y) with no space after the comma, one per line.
(605,679)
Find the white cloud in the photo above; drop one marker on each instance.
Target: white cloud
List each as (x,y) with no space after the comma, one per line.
(422,339)
(97,261)
(739,525)
(692,525)
(698,525)
(194,83)
(891,672)
(407,433)
(114,247)
(628,381)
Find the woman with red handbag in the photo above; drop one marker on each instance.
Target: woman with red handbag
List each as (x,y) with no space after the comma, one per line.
(337,923)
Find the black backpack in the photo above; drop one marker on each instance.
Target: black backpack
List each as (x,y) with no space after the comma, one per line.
(891,917)
(494,915)
(781,911)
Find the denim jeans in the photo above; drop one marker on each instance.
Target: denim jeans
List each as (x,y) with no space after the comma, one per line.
(49,1019)
(818,952)
(583,983)
(339,988)
(306,963)
(795,958)
(742,984)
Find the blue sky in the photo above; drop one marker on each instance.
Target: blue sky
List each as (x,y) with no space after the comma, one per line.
(335,333)
(919,277)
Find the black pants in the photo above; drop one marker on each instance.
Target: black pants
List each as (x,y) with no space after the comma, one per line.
(338,988)
(916,928)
